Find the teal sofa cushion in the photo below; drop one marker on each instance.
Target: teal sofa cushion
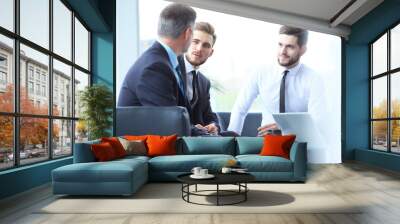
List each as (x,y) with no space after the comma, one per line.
(185,163)
(249,145)
(257,163)
(207,145)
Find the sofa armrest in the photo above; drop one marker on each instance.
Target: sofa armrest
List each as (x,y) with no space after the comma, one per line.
(143,120)
(298,155)
(83,153)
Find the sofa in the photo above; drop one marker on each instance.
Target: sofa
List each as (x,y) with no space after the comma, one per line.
(126,175)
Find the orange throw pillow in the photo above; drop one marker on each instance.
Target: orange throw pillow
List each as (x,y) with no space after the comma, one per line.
(277,145)
(161,145)
(103,151)
(116,145)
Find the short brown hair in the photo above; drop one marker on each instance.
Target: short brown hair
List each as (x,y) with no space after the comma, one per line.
(207,28)
(301,34)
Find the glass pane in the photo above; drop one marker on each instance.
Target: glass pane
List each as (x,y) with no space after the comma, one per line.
(395,136)
(81,45)
(35,21)
(395,47)
(6,142)
(6,74)
(62,29)
(33,139)
(7,14)
(379,135)
(395,94)
(62,89)
(62,138)
(81,81)
(81,131)
(379,98)
(34,81)
(379,55)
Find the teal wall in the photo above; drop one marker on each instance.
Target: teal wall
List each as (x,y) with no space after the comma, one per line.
(357,85)
(99,16)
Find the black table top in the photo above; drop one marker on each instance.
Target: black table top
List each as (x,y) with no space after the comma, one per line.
(220,178)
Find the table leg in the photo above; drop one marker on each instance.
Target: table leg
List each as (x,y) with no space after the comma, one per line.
(217,194)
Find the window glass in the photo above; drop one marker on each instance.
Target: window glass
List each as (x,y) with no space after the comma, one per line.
(379,56)
(81,45)
(33,139)
(35,21)
(62,138)
(81,81)
(395,95)
(81,131)
(6,142)
(62,91)
(395,47)
(6,74)
(379,98)
(395,136)
(62,29)
(31,58)
(7,14)
(379,135)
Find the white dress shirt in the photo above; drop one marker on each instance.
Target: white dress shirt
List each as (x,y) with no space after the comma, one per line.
(304,92)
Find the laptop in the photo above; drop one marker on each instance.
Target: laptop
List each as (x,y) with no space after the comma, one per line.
(302,125)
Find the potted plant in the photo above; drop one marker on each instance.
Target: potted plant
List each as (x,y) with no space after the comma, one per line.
(96,102)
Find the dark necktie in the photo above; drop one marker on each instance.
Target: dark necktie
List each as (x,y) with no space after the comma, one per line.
(194,86)
(179,79)
(282,93)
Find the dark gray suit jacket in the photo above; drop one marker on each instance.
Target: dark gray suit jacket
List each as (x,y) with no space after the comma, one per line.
(151,81)
(201,112)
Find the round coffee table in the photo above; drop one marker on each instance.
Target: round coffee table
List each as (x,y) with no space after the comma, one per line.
(238,179)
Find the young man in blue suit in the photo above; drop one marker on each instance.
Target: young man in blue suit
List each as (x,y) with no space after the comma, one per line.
(156,78)
(198,86)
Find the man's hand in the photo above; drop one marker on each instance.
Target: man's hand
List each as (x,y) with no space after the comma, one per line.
(201,127)
(263,130)
(212,129)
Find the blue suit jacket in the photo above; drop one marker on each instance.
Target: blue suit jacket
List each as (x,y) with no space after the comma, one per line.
(151,81)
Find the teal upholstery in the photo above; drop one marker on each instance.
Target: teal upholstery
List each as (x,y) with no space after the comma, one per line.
(208,145)
(125,176)
(249,145)
(180,164)
(259,163)
(119,177)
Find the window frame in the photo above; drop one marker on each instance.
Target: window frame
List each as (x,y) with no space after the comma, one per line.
(388,74)
(16,115)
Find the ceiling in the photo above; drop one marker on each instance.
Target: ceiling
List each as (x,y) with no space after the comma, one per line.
(327,16)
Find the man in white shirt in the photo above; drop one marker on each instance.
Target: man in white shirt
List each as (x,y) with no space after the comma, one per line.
(288,87)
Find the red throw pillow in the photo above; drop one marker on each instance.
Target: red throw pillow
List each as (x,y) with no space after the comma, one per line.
(116,145)
(277,145)
(161,145)
(103,151)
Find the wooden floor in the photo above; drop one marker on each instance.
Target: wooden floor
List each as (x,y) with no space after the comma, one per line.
(377,188)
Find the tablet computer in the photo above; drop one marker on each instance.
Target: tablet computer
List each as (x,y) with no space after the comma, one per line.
(302,125)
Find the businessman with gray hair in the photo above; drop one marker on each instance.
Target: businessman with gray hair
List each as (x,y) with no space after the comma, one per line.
(156,78)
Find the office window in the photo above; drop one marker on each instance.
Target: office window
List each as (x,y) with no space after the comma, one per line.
(81,45)
(44,132)
(61,75)
(6,142)
(62,29)
(7,14)
(35,21)
(385,94)
(62,137)
(6,73)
